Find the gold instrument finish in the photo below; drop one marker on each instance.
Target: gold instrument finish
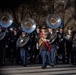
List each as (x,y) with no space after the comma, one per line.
(27,25)
(5,19)
(68,37)
(41,40)
(53,21)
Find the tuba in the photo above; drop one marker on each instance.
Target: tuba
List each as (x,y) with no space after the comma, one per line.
(28,25)
(53,21)
(6,20)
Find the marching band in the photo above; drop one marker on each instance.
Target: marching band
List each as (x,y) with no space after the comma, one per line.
(44,45)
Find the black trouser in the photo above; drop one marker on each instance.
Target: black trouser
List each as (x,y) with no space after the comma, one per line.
(1,55)
(61,51)
(70,55)
(74,56)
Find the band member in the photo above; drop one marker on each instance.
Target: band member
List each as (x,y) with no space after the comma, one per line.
(2,47)
(68,44)
(43,47)
(74,48)
(32,47)
(14,49)
(52,41)
(23,49)
(7,45)
(61,50)
(37,36)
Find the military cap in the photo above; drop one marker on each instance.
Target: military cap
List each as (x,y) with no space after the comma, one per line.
(70,28)
(43,27)
(61,27)
(38,27)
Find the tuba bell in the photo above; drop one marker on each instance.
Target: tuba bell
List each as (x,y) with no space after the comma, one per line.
(6,20)
(53,21)
(28,25)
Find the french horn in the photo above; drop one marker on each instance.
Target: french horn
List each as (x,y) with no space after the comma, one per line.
(28,25)
(6,20)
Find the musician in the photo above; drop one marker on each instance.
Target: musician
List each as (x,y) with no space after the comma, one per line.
(23,49)
(68,44)
(74,48)
(52,41)
(32,50)
(36,51)
(14,49)
(61,50)
(43,47)
(2,47)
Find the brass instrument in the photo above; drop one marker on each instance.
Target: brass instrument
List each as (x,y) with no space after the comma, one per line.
(41,40)
(6,20)
(53,21)
(28,25)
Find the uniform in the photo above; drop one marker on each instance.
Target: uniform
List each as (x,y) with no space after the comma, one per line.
(61,50)
(51,55)
(69,43)
(2,49)
(74,47)
(43,49)
(23,50)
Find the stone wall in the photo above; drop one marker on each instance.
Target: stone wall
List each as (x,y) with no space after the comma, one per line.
(40,9)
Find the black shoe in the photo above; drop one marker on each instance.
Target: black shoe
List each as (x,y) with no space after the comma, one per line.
(52,65)
(24,65)
(43,67)
(49,65)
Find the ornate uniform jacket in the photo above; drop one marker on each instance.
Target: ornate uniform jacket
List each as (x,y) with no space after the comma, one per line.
(69,40)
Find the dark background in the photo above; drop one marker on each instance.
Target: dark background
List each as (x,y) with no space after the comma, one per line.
(14,3)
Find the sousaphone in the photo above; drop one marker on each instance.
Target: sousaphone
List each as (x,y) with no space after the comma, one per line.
(28,25)
(6,20)
(53,21)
